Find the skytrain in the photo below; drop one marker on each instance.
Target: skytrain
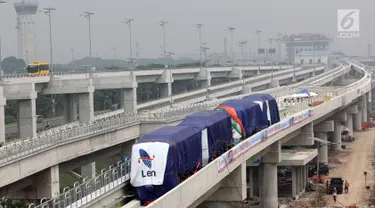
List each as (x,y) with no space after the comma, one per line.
(167,156)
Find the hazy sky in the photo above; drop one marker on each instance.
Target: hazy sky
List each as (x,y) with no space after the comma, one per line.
(271,16)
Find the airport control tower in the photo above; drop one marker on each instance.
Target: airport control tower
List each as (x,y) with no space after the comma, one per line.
(26,27)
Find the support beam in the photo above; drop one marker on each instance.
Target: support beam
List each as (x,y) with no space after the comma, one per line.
(70,107)
(304,138)
(236,73)
(86,106)
(353,109)
(204,76)
(325,126)
(26,117)
(233,187)
(48,184)
(274,83)
(273,154)
(88,170)
(128,99)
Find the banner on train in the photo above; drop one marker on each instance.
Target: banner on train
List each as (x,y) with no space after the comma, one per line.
(240,149)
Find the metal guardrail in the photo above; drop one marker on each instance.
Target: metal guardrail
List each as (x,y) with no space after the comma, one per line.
(25,146)
(23,75)
(89,190)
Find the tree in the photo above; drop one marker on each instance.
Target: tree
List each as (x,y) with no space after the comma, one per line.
(12,64)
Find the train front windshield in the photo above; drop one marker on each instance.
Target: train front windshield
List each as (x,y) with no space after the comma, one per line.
(32,69)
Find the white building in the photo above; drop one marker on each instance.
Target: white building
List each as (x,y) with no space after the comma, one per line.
(26,27)
(303,47)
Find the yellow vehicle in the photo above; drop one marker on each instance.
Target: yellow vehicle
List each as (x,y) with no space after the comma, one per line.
(38,68)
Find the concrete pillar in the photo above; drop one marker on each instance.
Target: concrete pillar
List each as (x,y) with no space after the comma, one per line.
(165,83)
(274,83)
(165,90)
(349,123)
(298,171)
(86,106)
(246,89)
(364,114)
(47,183)
(322,149)
(204,76)
(233,187)
(337,136)
(27,126)
(251,183)
(295,194)
(128,99)
(358,120)
(70,107)
(88,170)
(268,186)
(3,102)
(301,179)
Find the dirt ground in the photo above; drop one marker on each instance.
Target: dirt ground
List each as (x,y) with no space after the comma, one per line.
(352,167)
(349,164)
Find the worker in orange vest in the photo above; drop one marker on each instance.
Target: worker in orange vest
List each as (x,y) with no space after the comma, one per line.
(346,186)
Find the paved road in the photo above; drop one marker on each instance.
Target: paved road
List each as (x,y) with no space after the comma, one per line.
(354,161)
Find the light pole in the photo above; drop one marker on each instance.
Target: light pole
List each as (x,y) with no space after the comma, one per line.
(169,55)
(231,29)
(199,26)
(129,23)
(314,46)
(88,16)
(162,25)
(242,44)
(48,12)
(1,59)
(72,51)
(257,32)
(279,40)
(204,48)
(270,52)
(279,53)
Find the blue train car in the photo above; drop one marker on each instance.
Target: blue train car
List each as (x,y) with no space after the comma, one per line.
(163,158)
(269,106)
(216,132)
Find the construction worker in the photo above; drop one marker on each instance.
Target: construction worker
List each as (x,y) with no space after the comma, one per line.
(327,186)
(346,186)
(334,194)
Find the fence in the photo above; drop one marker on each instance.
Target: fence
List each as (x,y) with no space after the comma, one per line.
(82,194)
